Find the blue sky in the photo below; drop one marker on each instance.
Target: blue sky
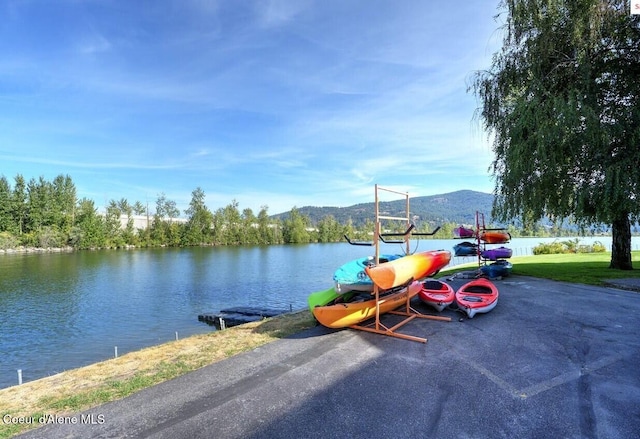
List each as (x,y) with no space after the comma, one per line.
(277,103)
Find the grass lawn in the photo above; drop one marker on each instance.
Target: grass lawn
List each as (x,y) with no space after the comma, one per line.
(584,268)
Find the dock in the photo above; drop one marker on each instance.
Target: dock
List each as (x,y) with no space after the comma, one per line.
(239,315)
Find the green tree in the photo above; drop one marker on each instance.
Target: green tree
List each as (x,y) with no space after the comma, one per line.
(19,204)
(39,205)
(445,232)
(143,235)
(329,230)
(295,228)
(89,231)
(266,230)
(139,208)
(562,103)
(128,231)
(64,201)
(232,224)
(251,236)
(200,220)
(158,228)
(366,232)
(113,225)
(218,228)
(6,216)
(164,230)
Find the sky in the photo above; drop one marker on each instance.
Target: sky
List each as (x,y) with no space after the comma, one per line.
(276,103)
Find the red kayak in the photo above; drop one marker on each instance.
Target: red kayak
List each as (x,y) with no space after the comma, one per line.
(477,296)
(437,294)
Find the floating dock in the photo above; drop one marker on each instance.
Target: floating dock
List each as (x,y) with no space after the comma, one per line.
(239,315)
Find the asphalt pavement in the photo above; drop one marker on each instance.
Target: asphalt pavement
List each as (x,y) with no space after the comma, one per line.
(552,360)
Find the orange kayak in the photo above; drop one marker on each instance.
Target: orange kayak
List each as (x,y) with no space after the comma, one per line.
(400,271)
(495,237)
(343,315)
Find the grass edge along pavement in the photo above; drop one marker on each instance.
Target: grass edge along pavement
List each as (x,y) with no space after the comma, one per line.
(29,405)
(581,268)
(80,389)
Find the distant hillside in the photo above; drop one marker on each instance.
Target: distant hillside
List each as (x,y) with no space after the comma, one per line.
(457,207)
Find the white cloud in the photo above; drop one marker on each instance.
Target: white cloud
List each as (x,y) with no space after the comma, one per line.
(94,44)
(274,13)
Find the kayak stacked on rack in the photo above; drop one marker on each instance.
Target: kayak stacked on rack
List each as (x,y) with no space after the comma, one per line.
(402,278)
(416,266)
(499,266)
(464,232)
(465,248)
(352,276)
(353,307)
(494,236)
(368,287)
(496,253)
(352,299)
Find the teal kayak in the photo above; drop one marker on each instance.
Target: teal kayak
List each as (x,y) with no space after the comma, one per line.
(352,277)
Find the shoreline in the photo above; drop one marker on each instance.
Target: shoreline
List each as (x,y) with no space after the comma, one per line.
(23,250)
(67,249)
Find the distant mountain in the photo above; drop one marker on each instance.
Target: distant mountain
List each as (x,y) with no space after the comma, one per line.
(455,207)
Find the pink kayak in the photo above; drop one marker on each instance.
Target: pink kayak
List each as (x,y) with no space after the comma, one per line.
(463,232)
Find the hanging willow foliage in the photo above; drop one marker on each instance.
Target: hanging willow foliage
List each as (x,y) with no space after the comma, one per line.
(561,102)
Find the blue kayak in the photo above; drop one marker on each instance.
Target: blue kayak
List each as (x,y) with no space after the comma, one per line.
(352,277)
(501,268)
(465,249)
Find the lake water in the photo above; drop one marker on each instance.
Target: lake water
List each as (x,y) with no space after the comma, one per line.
(60,311)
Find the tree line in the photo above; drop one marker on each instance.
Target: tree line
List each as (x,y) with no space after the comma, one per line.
(48,214)
(43,213)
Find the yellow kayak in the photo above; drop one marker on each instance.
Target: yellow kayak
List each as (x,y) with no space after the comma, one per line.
(342,315)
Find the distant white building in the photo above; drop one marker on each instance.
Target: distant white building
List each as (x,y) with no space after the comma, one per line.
(144,221)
